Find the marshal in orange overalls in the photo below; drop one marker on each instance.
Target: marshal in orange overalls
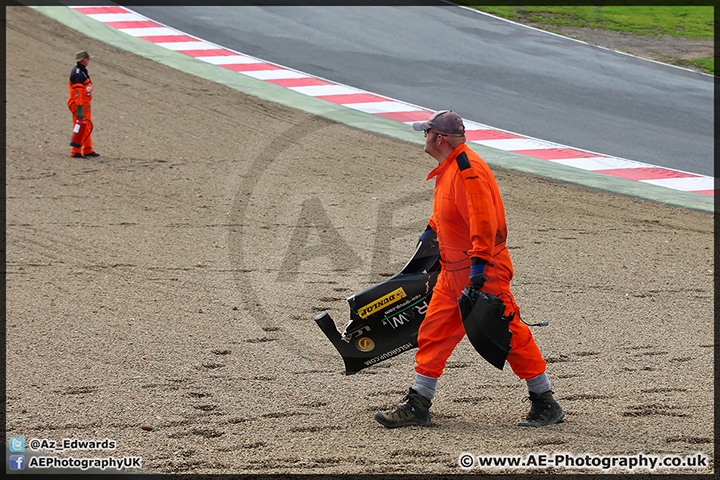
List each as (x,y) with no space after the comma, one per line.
(469,219)
(81,91)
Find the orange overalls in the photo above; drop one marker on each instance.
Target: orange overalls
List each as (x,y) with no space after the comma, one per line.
(469,219)
(81,90)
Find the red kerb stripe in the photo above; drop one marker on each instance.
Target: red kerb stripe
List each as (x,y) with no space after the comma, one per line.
(300,82)
(169,38)
(133,24)
(249,67)
(212,52)
(557,153)
(412,116)
(352,98)
(95,10)
(646,173)
(476,135)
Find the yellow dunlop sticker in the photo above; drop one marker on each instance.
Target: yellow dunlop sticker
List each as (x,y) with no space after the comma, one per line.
(388,299)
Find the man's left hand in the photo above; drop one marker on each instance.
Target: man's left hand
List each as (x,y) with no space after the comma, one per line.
(477,273)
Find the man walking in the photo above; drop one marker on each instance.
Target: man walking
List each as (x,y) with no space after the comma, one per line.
(469,221)
(81,91)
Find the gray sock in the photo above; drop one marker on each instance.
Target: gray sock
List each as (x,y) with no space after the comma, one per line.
(425,386)
(539,384)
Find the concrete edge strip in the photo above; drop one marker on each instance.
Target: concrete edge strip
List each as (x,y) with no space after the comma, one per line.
(351,105)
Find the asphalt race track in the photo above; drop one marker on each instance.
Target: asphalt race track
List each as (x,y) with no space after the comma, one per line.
(491,71)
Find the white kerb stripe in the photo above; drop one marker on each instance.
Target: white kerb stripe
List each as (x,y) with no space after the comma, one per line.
(470,125)
(512,144)
(116,17)
(149,32)
(382,107)
(690,184)
(601,163)
(320,90)
(275,74)
(228,59)
(187,45)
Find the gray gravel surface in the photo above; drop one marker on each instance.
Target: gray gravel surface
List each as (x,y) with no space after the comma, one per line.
(163,295)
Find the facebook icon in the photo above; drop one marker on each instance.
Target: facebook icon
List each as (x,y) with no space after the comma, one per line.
(17,462)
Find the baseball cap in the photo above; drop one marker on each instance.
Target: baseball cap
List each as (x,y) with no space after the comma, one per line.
(81,54)
(446,121)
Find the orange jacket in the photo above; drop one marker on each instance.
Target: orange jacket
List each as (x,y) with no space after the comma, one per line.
(468,213)
(81,88)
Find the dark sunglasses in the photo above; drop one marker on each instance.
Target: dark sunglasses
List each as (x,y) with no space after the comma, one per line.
(436,133)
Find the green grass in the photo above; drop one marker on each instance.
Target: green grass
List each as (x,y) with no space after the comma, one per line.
(706,64)
(692,22)
(678,21)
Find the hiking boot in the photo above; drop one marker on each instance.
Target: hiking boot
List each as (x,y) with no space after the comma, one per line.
(414,412)
(92,154)
(544,411)
(78,155)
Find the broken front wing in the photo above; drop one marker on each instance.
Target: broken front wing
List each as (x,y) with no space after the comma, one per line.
(385,318)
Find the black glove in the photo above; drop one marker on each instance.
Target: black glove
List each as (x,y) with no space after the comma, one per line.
(477,273)
(428,235)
